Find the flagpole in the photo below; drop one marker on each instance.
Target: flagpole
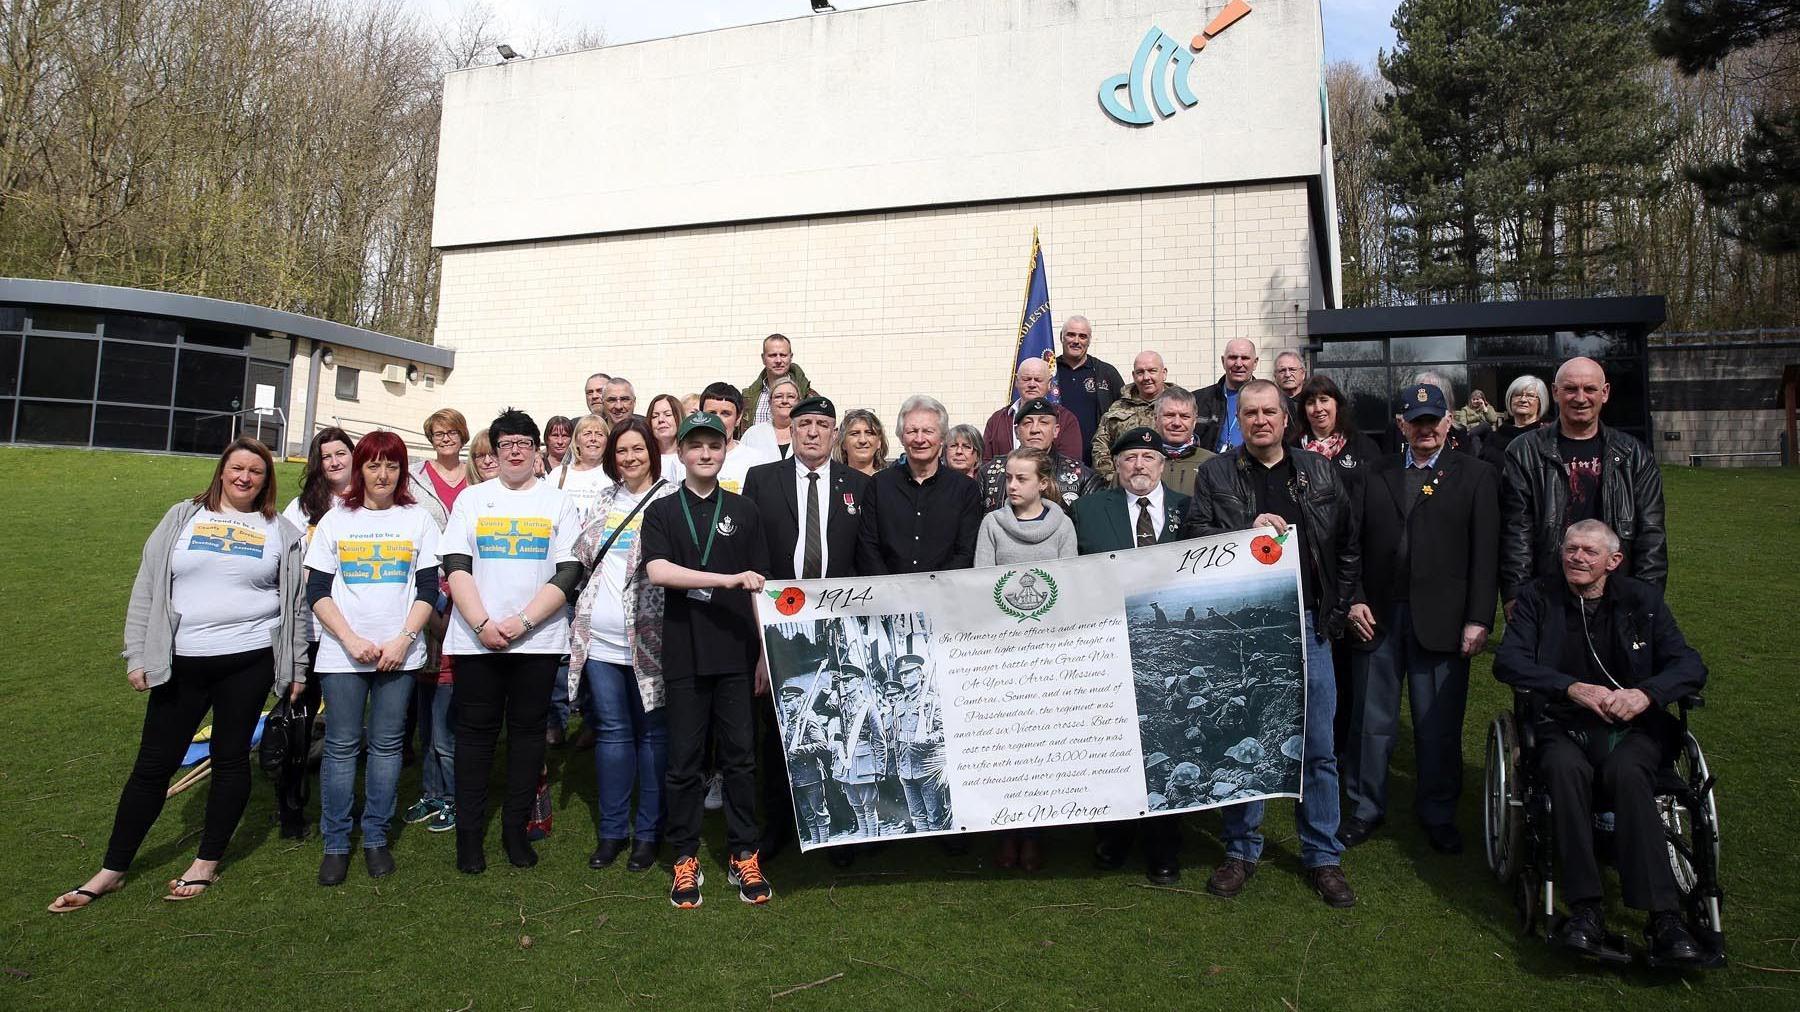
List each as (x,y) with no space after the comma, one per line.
(1012,378)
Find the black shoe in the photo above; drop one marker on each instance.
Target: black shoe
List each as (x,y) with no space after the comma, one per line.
(333,868)
(605,854)
(842,857)
(1583,931)
(293,830)
(1355,831)
(643,856)
(470,858)
(1163,872)
(379,860)
(518,849)
(1669,940)
(1444,838)
(1109,857)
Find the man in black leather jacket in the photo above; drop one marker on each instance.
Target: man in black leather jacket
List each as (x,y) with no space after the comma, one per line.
(1558,475)
(1264,483)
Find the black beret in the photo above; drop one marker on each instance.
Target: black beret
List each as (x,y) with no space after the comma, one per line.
(1035,406)
(814,405)
(1140,438)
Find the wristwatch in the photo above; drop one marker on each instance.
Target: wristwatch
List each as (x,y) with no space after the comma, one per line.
(412,636)
(526,622)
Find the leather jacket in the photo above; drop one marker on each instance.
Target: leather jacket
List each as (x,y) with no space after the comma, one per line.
(1534,495)
(1209,416)
(1224,501)
(1073,480)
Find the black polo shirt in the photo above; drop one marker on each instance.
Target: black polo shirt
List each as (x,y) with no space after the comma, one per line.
(924,527)
(720,636)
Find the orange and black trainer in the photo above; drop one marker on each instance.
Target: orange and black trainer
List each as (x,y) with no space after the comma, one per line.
(746,874)
(685,893)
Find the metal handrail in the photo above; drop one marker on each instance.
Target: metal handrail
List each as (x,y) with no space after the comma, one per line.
(240,414)
(421,443)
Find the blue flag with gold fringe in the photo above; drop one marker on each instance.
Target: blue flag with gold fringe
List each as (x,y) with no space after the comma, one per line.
(1037,334)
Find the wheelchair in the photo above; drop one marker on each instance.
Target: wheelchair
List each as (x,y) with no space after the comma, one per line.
(1521,851)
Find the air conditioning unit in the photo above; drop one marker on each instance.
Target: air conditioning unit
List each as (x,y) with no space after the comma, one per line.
(392,373)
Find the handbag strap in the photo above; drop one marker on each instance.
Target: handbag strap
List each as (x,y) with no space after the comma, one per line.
(645,501)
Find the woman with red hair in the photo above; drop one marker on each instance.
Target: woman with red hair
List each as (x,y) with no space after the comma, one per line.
(372,580)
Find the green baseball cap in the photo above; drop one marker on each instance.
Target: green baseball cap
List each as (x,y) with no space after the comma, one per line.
(701,421)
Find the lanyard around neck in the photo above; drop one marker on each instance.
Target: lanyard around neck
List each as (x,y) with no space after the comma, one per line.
(718,505)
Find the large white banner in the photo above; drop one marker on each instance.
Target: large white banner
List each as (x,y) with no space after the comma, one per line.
(1115,686)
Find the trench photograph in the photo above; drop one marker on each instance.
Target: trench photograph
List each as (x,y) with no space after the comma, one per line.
(1219,682)
(861,726)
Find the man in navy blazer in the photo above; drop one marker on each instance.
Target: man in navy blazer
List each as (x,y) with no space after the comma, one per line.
(1138,511)
(816,526)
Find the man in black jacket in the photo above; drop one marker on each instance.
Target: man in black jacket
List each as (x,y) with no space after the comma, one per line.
(1036,426)
(1430,535)
(1266,484)
(1215,424)
(813,519)
(1605,651)
(1578,469)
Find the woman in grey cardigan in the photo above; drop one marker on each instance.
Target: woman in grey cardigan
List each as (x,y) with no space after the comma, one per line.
(217,616)
(1029,528)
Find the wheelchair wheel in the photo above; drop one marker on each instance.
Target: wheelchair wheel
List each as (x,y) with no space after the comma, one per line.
(1690,817)
(1503,799)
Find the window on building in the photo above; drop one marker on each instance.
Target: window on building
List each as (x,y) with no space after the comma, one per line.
(346,382)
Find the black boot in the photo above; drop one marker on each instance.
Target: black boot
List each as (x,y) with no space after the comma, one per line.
(518,849)
(470,858)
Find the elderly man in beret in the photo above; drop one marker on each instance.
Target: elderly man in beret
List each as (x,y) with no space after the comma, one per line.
(1138,511)
(1038,426)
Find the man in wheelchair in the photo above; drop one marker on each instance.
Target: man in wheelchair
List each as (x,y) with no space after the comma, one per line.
(1605,654)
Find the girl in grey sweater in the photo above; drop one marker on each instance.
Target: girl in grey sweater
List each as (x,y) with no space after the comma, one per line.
(1030,527)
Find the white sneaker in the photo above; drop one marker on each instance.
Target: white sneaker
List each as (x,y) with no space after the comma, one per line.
(715,793)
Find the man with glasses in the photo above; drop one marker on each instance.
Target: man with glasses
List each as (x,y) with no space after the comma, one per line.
(1290,373)
(618,401)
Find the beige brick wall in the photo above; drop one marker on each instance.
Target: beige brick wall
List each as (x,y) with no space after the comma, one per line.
(878,306)
(398,406)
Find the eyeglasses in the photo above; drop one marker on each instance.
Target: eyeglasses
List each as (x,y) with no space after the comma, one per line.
(515,444)
(440,437)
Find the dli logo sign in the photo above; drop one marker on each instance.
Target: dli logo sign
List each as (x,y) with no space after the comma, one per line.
(1161,61)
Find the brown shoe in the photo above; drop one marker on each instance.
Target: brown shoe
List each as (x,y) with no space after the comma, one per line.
(1228,878)
(1329,882)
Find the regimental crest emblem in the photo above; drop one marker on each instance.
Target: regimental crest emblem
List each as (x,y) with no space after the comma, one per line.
(727,527)
(1025,595)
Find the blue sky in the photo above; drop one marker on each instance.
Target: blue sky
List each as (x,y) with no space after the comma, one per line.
(1354,29)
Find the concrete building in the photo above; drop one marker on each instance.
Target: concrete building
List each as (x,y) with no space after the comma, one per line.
(125,368)
(867,183)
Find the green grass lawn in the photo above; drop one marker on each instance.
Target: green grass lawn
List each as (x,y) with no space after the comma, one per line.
(906,928)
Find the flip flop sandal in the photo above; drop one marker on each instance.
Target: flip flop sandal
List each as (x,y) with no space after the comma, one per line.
(92,898)
(181,883)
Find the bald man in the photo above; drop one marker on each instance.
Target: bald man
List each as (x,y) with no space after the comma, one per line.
(1579,469)
(1133,409)
(1032,380)
(1216,424)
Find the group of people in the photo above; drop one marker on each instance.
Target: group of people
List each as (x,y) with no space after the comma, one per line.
(609,562)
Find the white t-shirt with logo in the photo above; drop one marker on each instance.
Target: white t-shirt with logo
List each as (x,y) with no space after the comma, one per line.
(738,463)
(584,488)
(297,516)
(226,590)
(375,556)
(515,538)
(608,639)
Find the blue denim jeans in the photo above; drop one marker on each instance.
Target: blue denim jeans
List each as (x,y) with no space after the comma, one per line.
(437,715)
(1316,814)
(386,695)
(632,749)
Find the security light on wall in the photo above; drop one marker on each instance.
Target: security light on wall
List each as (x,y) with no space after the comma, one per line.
(508,53)
(328,357)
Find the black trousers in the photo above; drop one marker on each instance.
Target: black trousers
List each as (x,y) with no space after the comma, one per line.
(1160,834)
(492,689)
(777,797)
(233,687)
(1571,759)
(720,704)
(290,780)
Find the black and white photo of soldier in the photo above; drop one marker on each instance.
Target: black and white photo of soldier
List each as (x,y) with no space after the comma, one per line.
(862,727)
(1219,678)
